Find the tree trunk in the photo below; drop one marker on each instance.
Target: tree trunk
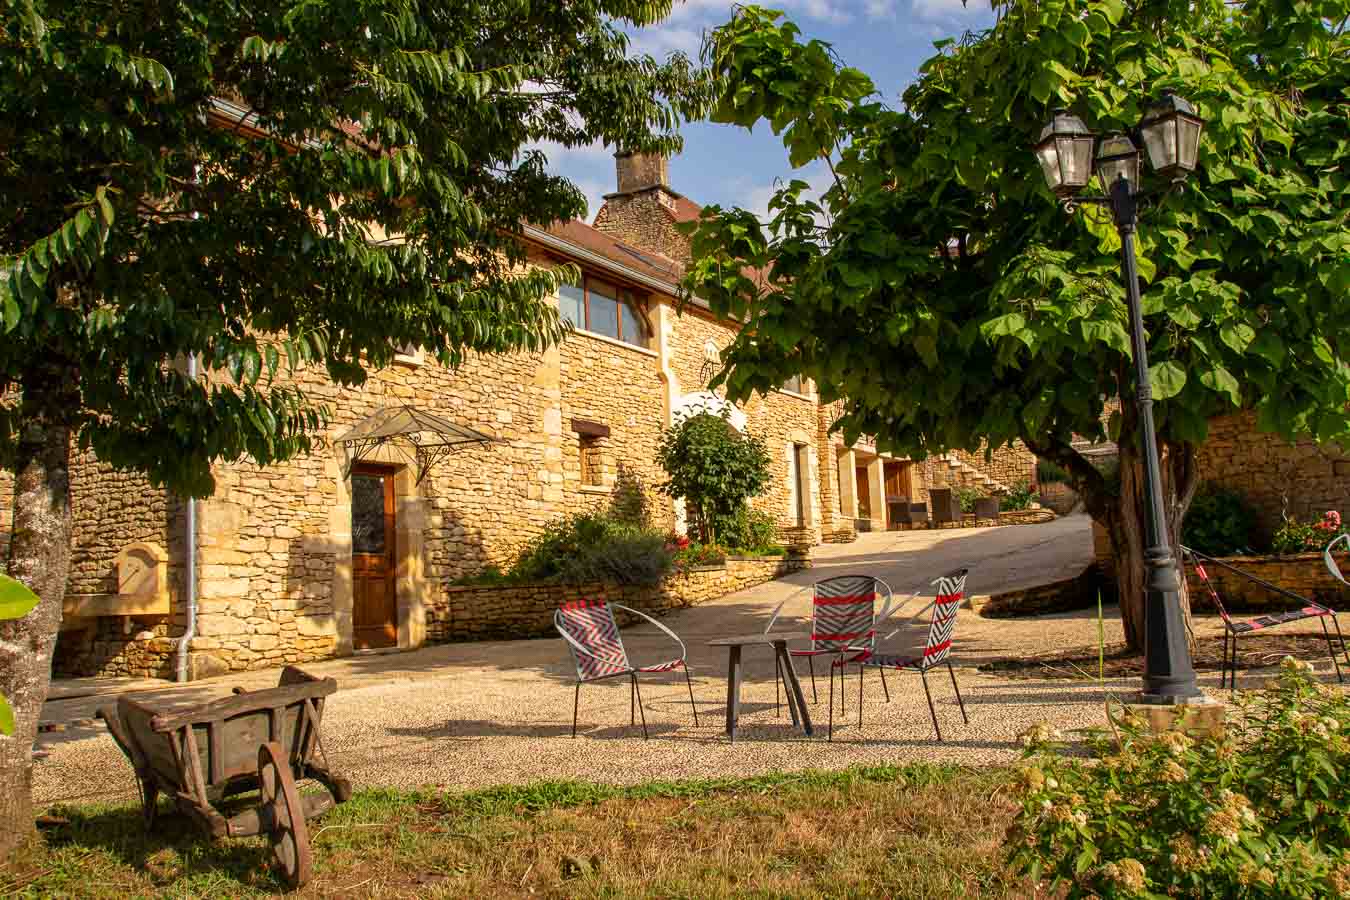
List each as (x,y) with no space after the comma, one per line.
(1126,526)
(1122,513)
(39,556)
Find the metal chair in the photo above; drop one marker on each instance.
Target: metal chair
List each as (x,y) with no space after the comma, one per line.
(945,506)
(1310,609)
(592,635)
(936,650)
(844,619)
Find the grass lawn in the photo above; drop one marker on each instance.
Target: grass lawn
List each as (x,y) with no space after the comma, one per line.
(884,831)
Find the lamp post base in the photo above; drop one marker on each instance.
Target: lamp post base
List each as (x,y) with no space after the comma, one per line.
(1196,716)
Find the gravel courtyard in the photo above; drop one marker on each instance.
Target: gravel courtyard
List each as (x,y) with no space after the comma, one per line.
(471,715)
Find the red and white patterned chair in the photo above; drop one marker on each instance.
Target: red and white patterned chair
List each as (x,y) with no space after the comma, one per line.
(844,620)
(951,589)
(592,635)
(1310,609)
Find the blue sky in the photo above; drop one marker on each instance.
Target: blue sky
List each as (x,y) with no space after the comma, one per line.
(887,39)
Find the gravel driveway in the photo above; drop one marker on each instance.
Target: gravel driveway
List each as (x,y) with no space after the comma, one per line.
(471,715)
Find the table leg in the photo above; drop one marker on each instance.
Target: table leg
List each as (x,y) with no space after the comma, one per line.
(779,653)
(795,690)
(733,689)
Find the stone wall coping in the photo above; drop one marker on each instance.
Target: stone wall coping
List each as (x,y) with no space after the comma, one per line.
(1307,556)
(601,588)
(768,557)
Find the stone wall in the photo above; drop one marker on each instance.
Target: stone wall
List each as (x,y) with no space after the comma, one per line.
(620,387)
(1007,465)
(519,611)
(110,510)
(1059,497)
(1276,477)
(1079,592)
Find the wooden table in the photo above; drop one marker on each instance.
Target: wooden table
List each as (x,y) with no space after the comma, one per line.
(796,701)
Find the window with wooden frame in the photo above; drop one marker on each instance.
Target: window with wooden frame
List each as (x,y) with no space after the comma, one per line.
(603,308)
(591,472)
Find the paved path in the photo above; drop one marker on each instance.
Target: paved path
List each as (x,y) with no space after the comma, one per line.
(467,715)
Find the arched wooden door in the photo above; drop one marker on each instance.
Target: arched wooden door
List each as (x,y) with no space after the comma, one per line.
(374,589)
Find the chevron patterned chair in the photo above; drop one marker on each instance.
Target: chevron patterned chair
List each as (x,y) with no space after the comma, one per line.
(592,635)
(844,620)
(1308,609)
(937,648)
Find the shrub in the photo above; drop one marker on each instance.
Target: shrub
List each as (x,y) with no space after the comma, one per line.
(1262,811)
(695,554)
(591,547)
(1218,523)
(747,530)
(1019,496)
(1294,536)
(967,496)
(1048,472)
(712,467)
(488,576)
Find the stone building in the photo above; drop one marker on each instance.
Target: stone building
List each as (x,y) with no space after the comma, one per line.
(307,560)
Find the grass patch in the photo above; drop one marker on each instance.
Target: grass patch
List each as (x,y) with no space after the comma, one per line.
(879,831)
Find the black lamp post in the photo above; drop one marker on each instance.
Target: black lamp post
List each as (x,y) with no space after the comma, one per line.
(1170,130)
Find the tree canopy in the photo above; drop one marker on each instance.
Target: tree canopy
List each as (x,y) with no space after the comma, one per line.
(941,291)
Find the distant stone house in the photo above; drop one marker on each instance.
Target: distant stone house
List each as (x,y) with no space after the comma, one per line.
(303,560)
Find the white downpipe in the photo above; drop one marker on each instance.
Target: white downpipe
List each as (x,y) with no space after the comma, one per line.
(190,558)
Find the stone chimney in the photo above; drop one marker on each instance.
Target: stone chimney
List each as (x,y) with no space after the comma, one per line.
(641,171)
(643,209)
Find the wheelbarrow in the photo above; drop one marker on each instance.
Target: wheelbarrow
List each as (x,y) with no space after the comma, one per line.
(256,740)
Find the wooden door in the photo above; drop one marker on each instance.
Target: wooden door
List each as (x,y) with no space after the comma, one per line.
(864,495)
(374,594)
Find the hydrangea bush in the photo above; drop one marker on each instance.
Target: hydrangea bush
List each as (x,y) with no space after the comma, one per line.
(1263,811)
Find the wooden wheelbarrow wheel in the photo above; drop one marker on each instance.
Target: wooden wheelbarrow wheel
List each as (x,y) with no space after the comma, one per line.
(280,799)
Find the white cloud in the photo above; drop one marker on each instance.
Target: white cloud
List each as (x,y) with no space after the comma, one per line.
(879,9)
(948,10)
(755,197)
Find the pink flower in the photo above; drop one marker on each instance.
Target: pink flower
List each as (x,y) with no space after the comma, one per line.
(1332,518)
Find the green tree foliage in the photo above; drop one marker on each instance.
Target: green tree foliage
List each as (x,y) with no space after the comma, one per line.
(939,289)
(268,187)
(713,468)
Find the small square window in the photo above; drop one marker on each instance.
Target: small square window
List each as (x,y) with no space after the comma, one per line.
(794,384)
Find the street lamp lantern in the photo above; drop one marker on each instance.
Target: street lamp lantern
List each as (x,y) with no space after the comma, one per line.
(1065,151)
(1171,132)
(1117,158)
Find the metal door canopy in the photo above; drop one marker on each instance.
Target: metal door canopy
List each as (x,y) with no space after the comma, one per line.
(406,434)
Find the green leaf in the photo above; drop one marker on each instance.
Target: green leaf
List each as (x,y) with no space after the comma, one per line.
(6,716)
(1221,381)
(1167,379)
(1009,324)
(16,600)
(1269,346)
(1237,335)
